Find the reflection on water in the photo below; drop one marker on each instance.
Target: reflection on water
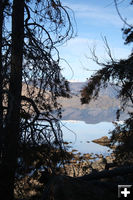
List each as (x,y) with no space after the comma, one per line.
(82,134)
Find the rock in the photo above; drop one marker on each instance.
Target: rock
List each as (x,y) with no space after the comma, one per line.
(113,147)
(73,161)
(109,159)
(82,164)
(105,141)
(76,156)
(66,143)
(99,164)
(87,156)
(100,156)
(74,150)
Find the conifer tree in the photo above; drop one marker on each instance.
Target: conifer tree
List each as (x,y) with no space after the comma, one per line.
(30,83)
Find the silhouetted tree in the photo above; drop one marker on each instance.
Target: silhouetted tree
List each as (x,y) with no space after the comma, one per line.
(31,82)
(118,73)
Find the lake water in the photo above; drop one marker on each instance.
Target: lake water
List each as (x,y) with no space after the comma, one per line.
(78,133)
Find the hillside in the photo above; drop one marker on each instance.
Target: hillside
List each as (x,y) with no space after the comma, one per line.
(103,109)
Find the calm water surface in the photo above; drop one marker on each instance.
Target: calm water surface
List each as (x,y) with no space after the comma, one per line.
(78,133)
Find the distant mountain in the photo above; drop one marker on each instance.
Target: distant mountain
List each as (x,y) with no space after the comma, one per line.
(103,109)
(75,87)
(110,91)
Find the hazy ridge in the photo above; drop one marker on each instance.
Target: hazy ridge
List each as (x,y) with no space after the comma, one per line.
(103,109)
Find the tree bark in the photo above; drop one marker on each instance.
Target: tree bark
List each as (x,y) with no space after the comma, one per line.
(107,173)
(12,127)
(1,79)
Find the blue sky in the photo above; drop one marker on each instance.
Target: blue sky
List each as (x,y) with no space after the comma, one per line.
(94,19)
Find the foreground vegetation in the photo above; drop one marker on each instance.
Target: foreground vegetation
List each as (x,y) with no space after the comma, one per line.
(30,133)
(30,32)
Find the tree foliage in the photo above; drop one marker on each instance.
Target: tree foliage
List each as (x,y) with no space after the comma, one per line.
(119,73)
(30,83)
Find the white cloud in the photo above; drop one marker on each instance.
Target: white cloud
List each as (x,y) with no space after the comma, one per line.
(79,46)
(96,19)
(99,13)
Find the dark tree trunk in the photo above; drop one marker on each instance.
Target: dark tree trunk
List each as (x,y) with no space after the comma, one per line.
(12,128)
(1,79)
